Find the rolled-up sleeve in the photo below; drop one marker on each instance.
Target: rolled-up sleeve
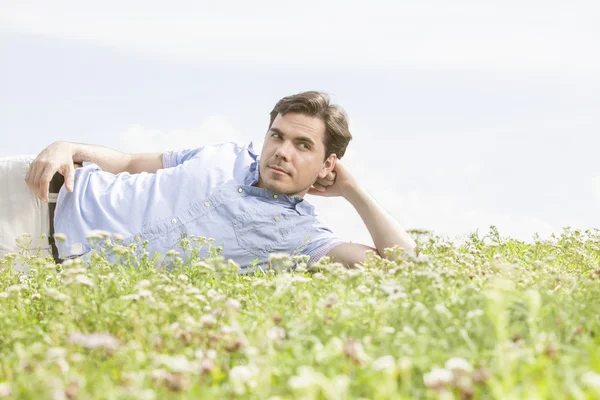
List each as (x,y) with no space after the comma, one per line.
(173,158)
(321,241)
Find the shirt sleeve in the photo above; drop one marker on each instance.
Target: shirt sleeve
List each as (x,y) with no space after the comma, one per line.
(173,158)
(321,241)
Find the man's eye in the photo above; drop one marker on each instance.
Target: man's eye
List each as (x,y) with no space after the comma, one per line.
(306,146)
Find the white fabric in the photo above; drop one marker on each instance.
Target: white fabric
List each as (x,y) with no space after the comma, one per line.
(21,211)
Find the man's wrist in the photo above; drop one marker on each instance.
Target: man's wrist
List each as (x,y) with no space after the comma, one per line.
(354,193)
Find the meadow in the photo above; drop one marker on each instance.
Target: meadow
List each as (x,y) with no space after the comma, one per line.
(490,318)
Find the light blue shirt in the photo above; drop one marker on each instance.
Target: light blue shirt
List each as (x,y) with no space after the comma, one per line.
(205,192)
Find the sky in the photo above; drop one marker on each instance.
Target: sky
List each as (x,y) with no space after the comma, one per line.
(464,114)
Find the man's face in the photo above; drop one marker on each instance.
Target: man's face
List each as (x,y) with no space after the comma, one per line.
(294,143)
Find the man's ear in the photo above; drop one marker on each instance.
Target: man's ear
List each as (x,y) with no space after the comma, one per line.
(328,165)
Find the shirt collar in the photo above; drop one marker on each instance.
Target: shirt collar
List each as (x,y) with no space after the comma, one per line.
(297,202)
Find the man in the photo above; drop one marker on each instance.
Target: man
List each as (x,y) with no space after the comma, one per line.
(252,206)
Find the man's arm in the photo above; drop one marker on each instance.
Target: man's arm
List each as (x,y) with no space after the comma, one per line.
(385,231)
(61,157)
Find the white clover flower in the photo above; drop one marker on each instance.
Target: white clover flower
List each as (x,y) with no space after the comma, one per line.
(192,290)
(474,313)
(60,237)
(391,287)
(84,280)
(14,288)
(233,304)
(95,340)
(363,289)
(276,333)
(306,378)
(56,352)
(301,279)
(591,379)
(332,300)
(241,373)
(74,271)
(5,390)
(442,309)
(178,363)
(208,320)
(56,295)
(211,354)
(438,378)
(423,258)
(97,234)
(144,283)
(120,250)
(384,363)
(459,365)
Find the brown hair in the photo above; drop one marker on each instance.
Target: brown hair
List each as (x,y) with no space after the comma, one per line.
(316,104)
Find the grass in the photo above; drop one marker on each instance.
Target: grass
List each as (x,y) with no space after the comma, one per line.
(490,318)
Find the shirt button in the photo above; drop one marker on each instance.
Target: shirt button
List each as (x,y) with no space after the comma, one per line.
(207,204)
(275,196)
(276,218)
(240,190)
(174,221)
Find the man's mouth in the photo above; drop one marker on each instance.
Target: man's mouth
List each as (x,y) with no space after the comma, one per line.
(279,170)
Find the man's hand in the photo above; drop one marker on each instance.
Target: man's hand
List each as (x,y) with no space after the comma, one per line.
(58,157)
(335,184)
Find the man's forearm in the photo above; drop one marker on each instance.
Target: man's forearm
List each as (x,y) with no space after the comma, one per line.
(108,159)
(114,161)
(384,229)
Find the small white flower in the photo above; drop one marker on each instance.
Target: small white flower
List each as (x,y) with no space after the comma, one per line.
(438,378)
(459,365)
(95,340)
(241,373)
(384,363)
(591,379)
(144,283)
(84,280)
(56,352)
(5,390)
(97,234)
(60,237)
(233,304)
(389,329)
(208,320)
(276,333)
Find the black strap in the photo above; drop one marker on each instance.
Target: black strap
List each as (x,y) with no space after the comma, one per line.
(57,181)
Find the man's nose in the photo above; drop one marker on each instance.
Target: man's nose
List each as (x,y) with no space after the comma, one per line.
(283,151)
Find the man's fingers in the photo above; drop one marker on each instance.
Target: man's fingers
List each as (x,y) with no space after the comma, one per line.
(319,187)
(69,177)
(44,182)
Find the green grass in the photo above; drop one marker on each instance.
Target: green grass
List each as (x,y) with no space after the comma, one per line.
(491,318)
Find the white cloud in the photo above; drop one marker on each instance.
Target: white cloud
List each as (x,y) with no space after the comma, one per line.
(333,33)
